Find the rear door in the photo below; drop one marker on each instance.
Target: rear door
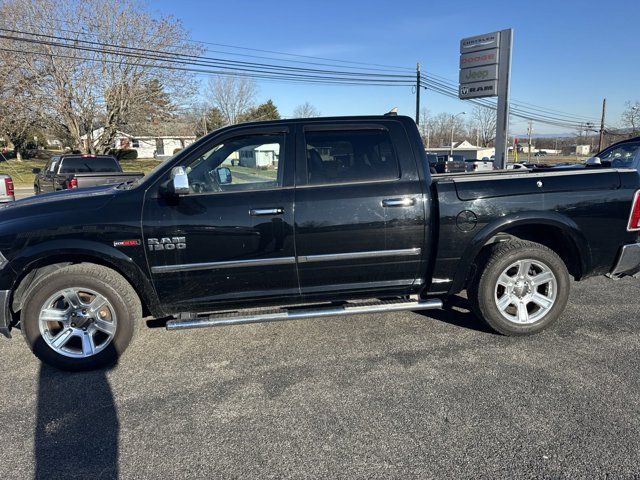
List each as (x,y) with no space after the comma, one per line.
(359,217)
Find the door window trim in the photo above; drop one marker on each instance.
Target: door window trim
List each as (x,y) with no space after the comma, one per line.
(221,140)
(288,145)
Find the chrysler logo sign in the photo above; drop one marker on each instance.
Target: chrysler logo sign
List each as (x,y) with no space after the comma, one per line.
(480,42)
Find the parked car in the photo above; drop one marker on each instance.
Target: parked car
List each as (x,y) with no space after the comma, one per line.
(347,214)
(7,193)
(479,165)
(516,166)
(446,163)
(79,171)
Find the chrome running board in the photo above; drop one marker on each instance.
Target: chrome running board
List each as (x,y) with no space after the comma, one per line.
(297,312)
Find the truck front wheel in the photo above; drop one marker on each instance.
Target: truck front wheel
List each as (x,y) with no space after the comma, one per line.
(521,289)
(80,317)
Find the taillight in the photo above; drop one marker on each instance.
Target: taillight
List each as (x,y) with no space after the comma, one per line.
(634,218)
(8,186)
(73,183)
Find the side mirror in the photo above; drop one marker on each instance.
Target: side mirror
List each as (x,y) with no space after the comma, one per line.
(36,170)
(593,161)
(223,175)
(179,183)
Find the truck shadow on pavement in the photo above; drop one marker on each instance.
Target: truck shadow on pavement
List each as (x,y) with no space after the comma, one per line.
(457,312)
(76,433)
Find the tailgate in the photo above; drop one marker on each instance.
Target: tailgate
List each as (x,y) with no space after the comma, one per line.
(526,183)
(92,179)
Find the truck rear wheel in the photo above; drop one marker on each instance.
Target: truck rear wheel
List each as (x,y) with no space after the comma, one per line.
(80,317)
(521,289)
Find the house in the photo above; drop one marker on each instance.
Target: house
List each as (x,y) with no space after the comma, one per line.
(466,149)
(147,146)
(260,156)
(582,149)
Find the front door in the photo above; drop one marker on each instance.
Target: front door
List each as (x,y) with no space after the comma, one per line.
(231,238)
(360,219)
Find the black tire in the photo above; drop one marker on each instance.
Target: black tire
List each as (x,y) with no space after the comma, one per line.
(483,290)
(111,285)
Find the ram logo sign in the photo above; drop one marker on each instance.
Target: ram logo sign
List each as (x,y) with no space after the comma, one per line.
(480,89)
(167,243)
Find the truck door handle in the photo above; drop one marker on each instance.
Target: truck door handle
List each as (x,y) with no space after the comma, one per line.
(259,212)
(398,202)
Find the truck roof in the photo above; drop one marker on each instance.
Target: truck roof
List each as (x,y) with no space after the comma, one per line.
(351,118)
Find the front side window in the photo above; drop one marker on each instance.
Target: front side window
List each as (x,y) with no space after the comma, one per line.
(350,156)
(621,155)
(249,162)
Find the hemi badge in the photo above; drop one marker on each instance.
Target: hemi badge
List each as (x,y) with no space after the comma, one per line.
(126,243)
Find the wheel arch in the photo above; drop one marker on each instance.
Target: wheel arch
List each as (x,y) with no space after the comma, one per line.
(552,229)
(33,263)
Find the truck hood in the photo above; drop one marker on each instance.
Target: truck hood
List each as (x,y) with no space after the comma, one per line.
(51,203)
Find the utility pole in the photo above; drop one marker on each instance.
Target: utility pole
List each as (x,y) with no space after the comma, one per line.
(529,130)
(418,93)
(601,139)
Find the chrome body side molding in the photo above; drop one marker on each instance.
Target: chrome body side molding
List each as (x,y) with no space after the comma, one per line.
(332,257)
(258,262)
(189,267)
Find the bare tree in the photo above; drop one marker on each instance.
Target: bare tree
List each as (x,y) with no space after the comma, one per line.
(440,127)
(91,76)
(484,121)
(631,117)
(232,96)
(306,110)
(21,112)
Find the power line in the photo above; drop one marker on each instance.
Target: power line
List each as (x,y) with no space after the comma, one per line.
(284,73)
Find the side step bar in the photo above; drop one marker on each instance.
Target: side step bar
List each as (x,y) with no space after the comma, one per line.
(293,313)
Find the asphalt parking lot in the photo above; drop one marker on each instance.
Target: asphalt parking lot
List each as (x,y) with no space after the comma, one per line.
(411,395)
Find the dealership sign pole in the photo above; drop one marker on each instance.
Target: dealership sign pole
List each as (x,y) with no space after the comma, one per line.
(485,68)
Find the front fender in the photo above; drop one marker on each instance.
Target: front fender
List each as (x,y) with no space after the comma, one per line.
(542,218)
(58,251)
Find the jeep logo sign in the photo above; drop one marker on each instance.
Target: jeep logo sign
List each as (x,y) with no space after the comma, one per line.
(478,74)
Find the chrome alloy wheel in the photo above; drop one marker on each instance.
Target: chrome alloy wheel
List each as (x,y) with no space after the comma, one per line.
(526,291)
(77,322)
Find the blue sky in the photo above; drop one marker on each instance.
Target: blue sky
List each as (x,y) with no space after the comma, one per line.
(567,55)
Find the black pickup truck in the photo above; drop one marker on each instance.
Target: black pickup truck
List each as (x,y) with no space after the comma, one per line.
(63,172)
(299,218)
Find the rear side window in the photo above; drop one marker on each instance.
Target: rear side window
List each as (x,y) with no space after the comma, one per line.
(350,156)
(89,165)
